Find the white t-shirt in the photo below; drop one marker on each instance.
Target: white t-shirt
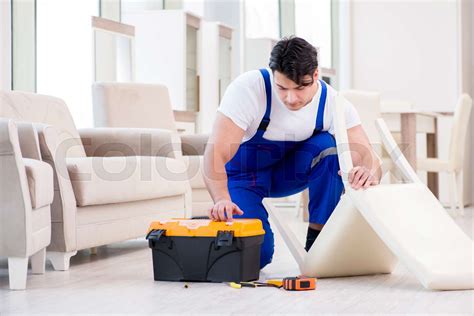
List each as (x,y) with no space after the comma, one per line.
(244,102)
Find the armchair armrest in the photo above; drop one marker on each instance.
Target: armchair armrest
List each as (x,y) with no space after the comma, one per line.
(110,142)
(14,194)
(63,209)
(29,143)
(194,145)
(9,144)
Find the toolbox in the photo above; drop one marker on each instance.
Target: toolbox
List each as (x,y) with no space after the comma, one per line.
(206,250)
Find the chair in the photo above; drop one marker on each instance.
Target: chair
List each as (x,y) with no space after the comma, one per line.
(368,106)
(109,183)
(455,162)
(149,106)
(26,193)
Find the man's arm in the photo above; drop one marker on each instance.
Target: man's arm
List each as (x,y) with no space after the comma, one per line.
(224,142)
(367,169)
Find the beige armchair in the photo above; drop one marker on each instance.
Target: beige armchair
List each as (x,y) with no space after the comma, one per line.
(26,193)
(149,106)
(109,183)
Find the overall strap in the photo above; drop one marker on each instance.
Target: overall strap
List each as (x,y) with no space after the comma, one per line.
(268,91)
(322,104)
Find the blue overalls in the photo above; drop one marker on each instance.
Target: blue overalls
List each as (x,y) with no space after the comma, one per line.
(263,168)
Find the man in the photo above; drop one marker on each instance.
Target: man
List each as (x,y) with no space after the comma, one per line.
(273,137)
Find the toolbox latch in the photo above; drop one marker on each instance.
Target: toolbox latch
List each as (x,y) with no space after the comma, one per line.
(224,238)
(155,234)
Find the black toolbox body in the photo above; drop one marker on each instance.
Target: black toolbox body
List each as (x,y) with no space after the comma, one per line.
(222,258)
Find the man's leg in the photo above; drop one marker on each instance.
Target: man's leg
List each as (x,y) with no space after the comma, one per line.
(312,164)
(250,201)
(325,187)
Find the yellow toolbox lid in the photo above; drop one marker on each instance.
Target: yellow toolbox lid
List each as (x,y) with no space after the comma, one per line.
(208,228)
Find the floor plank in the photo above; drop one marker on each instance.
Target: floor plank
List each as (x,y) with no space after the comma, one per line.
(119,280)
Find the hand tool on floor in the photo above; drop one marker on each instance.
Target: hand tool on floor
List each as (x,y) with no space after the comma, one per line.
(289,284)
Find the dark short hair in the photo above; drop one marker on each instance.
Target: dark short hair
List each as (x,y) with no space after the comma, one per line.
(295,58)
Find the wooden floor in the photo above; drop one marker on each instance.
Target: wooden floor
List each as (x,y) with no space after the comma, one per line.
(119,280)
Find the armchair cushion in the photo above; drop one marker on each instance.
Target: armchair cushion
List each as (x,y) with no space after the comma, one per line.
(194,167)
(105,180)
(193,145)
(118,104)
(40,182)
(108,141)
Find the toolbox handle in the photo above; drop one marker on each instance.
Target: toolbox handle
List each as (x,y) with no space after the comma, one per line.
(224,238)
(155,234)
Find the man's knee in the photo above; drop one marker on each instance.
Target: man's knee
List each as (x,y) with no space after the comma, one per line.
(320,142)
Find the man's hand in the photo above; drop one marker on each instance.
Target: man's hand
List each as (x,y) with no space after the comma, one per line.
(223,210)
(367,171)
(361,177)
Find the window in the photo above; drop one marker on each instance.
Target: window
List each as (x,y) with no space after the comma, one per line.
(23,44)
(5,45)
(64,54)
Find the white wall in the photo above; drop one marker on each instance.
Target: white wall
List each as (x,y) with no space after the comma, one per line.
(406,50)
(5,46)
(413,51)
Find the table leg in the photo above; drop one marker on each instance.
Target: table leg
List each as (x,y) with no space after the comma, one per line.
(432,152)
(408,131)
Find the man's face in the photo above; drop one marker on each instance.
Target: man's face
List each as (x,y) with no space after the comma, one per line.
(292,95)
